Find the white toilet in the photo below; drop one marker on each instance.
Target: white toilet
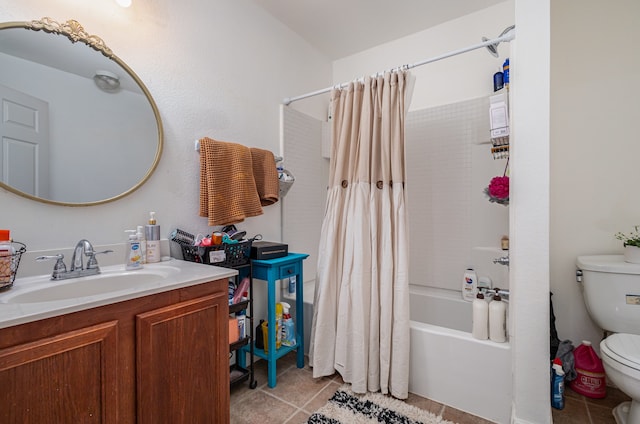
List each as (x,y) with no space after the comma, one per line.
(611,290)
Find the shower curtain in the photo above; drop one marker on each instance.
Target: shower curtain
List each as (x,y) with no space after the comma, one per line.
(361,308)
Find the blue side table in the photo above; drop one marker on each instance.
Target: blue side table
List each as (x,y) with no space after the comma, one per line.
(271,270)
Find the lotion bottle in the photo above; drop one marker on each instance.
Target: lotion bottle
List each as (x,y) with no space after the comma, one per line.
(498,319)
(480,329)
(152,234)
(469,285)
(133,253)
(143,243)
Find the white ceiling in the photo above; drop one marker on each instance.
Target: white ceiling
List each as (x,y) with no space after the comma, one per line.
(340,28)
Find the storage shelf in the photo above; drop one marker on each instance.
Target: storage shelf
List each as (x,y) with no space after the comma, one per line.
(233,308)
(238,344)
(237,374)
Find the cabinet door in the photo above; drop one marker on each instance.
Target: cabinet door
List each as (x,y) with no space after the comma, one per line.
(182,362)
(66,378)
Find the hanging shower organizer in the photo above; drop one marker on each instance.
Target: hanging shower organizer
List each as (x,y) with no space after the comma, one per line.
(499,123)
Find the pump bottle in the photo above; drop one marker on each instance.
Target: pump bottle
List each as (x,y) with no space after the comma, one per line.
(152,233)
(498,319)
(480,329)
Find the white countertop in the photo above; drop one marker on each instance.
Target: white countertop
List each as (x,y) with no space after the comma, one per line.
(172,274)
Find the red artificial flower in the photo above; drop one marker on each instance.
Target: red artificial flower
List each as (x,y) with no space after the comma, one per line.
(499,187)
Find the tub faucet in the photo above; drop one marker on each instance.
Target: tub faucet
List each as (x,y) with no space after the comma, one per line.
(78,269)
(503,260)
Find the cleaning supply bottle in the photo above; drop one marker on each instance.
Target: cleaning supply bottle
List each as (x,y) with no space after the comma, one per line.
(469,285)
(6,256)
(143,243)
(590,380)
(288,328)
(557,384)
(133,254)
(152,234)
(480,329)
(497,319)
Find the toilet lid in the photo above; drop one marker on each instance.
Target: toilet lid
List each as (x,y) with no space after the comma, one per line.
(624,348)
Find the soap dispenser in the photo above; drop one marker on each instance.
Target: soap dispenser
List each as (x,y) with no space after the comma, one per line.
(133,252)
(152,234)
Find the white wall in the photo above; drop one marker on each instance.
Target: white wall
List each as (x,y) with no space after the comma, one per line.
(462,77)
(215,68)
(595,105)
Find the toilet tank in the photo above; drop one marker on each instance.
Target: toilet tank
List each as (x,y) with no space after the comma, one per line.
(611,291)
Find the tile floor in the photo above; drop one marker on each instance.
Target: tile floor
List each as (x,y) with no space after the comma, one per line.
(580,409)
(297,395)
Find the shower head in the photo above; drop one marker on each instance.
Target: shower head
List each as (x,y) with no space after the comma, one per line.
(493,48)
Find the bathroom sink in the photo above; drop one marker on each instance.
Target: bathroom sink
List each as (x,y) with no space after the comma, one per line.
(42,289)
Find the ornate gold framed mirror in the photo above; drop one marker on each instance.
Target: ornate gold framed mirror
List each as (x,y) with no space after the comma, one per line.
(78,126)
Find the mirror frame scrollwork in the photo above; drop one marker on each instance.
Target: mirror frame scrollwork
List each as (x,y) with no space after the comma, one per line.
(75,32)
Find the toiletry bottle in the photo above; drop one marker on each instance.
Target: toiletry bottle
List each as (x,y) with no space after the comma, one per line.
(133,255)
(152,233)
(480,329)
(278,328)
(6,256)
(292,285)
(498,319)
(143,243)
(469,285)
(498,81)
(241,316)
(557,384)
(505,72)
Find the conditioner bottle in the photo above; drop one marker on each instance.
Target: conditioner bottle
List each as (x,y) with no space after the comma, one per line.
(498,319)
(480,329)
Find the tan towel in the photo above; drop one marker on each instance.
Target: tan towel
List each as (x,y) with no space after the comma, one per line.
(266,176)
(228,191)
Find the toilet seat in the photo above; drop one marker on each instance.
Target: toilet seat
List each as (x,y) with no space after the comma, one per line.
(623,348)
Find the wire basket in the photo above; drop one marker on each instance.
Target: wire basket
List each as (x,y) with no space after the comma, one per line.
(9,265)
(227,255)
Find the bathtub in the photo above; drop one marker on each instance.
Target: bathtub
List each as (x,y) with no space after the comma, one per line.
(447,364)
(451,367)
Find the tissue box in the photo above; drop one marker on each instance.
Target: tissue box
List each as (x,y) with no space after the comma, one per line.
(268,250)
(234,334)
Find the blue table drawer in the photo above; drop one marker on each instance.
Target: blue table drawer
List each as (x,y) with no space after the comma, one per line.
(286,271)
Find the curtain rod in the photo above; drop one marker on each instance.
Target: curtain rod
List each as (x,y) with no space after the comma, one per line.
(510,35)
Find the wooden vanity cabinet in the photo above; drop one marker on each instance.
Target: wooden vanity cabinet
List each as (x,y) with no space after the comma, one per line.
(156,359)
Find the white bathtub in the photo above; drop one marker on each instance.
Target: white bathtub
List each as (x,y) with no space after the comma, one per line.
(447,364)
(451,367)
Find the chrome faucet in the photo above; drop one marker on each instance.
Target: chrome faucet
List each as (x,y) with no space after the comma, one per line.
(503,260)
(83,247)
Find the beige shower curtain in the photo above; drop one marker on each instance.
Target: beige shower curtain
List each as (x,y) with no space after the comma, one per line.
(361,307)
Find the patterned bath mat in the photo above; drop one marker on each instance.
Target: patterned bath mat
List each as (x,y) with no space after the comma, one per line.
(347,407)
